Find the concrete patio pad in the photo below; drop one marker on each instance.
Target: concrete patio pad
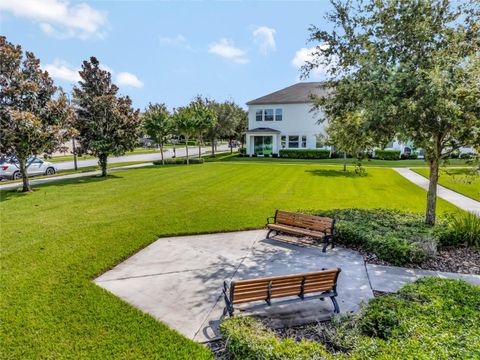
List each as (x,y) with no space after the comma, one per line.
(178,280)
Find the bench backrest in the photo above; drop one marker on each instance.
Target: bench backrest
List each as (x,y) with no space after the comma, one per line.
(282,286)
(323,224)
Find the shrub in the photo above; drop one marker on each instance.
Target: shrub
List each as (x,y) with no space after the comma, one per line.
(275,155)
(466,156)
(392,235)
(461,230)
(387,154)
(304,154)
(242,151)
(246,338)
(409,156)
(179,161)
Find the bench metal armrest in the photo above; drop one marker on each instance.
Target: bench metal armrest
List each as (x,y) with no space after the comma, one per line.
(270,218)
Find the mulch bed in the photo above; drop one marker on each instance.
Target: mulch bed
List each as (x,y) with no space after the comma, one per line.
(457,260)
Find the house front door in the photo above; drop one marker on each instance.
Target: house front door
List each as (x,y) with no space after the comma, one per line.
(262,145)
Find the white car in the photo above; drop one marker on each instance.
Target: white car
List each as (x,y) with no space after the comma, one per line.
(9,168)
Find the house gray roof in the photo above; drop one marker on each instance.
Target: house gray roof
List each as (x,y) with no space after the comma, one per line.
(263,130)
(298,93)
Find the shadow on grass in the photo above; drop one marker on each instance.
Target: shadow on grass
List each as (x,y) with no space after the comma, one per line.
(332,173)
(17,193)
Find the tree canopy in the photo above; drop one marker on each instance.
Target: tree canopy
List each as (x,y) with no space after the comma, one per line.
(34,115)
(158,124)
(411,67)
(106,123)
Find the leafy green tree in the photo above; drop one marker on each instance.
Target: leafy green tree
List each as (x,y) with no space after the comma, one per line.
(33,119)
(411,67)
(185,125)
(225,125)
(204,117)
(349,134)
(106,124)
(158,124)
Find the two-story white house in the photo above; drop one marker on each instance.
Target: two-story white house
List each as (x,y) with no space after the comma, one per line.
(284,120)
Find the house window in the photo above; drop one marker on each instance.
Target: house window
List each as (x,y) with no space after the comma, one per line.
(278,114)
(304,142)
(283,141)
(268,114)
(259,115)
(293,142)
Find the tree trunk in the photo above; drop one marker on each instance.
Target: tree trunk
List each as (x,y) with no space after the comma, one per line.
(345,161)
(186,149)
(102,161)
(199,148)
(23,171)
(161,153)
(213,147)
(432,193)
(231,146)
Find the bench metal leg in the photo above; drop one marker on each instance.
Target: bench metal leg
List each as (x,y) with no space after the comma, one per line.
(270,231)
(335,305)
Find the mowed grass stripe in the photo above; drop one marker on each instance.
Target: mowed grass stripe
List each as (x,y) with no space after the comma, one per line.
(55,240)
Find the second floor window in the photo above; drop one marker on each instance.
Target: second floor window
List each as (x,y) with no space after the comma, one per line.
(268,114)
(259,115)
(278,114)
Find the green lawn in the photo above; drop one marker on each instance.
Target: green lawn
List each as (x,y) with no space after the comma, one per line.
(57,239)
(457,180)
(339,162)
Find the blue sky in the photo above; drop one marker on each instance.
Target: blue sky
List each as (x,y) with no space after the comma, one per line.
(170,51)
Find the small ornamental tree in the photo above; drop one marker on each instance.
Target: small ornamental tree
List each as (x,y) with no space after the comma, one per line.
(106,124)
(33,119)
(226,124)
(184,123)
(349,134)
(411,67)
(204,117)
(158,124)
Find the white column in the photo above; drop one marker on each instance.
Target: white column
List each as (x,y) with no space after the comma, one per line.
(248,140)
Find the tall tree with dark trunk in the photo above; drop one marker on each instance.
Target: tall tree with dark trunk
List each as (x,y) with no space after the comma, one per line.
(158,124)
(411,67)
(106,124)
(33,119)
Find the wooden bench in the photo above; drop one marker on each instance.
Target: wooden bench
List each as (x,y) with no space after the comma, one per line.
(302,224)
(323,283)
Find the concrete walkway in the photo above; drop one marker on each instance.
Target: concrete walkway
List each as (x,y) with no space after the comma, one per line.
(178,280)
(459,200)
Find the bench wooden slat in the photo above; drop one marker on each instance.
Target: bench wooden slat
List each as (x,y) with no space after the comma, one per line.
(295,285)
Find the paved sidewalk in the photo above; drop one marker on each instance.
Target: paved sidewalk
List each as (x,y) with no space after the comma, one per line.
(178,280)
(70,176)
(392,278)
(459,200)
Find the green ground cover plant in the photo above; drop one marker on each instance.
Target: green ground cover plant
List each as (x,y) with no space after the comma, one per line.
(304,154)
(395,236)
(58,238)
(430,319)
(387,154)
(459,180)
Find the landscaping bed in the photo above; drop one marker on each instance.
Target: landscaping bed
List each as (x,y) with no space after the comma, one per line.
(431,318)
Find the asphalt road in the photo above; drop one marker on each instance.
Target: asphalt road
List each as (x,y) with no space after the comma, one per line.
(180,151)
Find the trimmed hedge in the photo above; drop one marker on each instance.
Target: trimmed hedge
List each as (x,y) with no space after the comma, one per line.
(387,154)
(394,236)
(304,154)
(179,161)
(409,157)
(431,318)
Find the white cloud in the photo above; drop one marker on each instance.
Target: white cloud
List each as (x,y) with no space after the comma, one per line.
(128,79)
(62,70)
(264,37)
(226,48)
(177,41)
(305,55)
(59,18)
